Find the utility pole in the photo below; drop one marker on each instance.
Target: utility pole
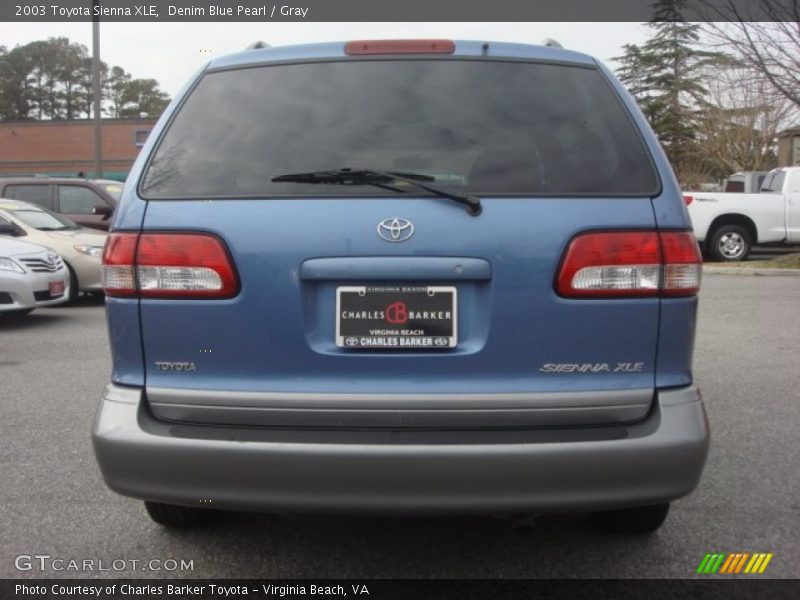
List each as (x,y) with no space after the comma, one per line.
(96,90)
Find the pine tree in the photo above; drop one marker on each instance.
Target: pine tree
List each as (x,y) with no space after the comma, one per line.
(665,76)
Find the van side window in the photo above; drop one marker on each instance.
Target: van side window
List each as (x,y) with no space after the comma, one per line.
(77,200)
(33,193)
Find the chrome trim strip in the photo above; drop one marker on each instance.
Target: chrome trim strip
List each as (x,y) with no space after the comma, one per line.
(294,400)
(396,268)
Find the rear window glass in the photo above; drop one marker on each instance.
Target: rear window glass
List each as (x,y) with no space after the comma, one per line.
(486,127)
(40,218)
(735,186)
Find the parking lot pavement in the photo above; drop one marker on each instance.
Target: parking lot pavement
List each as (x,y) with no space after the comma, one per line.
(54,363)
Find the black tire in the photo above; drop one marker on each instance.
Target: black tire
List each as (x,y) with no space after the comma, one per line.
(729,243)
(638,520)
(73,285)
(179,517)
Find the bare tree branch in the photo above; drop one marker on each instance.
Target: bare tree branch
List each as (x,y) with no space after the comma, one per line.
(741,120)
(772,48)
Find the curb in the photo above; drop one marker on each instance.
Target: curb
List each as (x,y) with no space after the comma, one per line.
(711,270)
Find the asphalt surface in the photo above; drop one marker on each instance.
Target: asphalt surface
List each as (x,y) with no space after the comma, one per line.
(770,252)
(54,363)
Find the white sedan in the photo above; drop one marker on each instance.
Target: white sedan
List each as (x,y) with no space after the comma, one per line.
(30,276)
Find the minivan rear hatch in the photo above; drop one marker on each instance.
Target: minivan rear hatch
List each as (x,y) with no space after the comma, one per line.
(363,305)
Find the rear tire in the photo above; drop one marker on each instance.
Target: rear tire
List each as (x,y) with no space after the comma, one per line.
(178,517)
(638,520)
(729,243)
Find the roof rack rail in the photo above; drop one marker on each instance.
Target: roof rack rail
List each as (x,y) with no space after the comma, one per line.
(551,43)
(257,45)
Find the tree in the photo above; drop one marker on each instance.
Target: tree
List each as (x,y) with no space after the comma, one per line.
(16,85)
(116,88)
(84,93)
(143,98)
(741,120)
(72,58)
(43,57)
(52,79)
(665,75)
(766,41)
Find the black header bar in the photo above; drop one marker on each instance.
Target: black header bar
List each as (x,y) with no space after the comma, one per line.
(160,11)
(711,588)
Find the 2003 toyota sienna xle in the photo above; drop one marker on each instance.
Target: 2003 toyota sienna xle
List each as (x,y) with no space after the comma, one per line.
(407,277)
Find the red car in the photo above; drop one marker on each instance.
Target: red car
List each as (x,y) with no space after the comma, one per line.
(88,202)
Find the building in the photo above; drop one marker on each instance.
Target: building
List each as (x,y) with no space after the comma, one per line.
(789,147)
(67,147)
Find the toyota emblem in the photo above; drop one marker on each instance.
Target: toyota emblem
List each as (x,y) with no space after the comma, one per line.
(395,230)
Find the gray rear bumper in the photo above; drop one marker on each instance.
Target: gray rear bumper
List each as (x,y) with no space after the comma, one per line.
(656,460)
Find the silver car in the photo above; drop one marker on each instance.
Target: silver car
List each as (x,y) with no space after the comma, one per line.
(30,276)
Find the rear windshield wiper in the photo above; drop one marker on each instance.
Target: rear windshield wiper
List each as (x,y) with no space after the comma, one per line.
(382,179)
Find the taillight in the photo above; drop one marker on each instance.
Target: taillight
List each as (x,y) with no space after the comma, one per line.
(683,263)
(118,259)
(687,200)
(611,264)
(365,47)
(183,265)
(630,263)
(168,265)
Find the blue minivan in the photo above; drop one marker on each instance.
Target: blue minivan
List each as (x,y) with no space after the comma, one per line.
(402,276)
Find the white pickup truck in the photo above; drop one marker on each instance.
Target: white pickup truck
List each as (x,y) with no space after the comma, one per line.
(728,224)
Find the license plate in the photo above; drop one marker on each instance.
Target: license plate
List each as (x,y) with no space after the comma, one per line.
(56,288)
(396,317)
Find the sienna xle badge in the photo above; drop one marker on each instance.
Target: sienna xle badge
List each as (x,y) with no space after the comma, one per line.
(402,277)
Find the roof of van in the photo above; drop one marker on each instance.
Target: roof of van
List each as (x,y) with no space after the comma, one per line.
(462,48)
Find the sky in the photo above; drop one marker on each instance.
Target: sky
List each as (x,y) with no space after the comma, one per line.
(172,52)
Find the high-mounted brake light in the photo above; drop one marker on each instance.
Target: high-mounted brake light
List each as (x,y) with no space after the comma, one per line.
(630,263)
(364,47)
(168,265)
